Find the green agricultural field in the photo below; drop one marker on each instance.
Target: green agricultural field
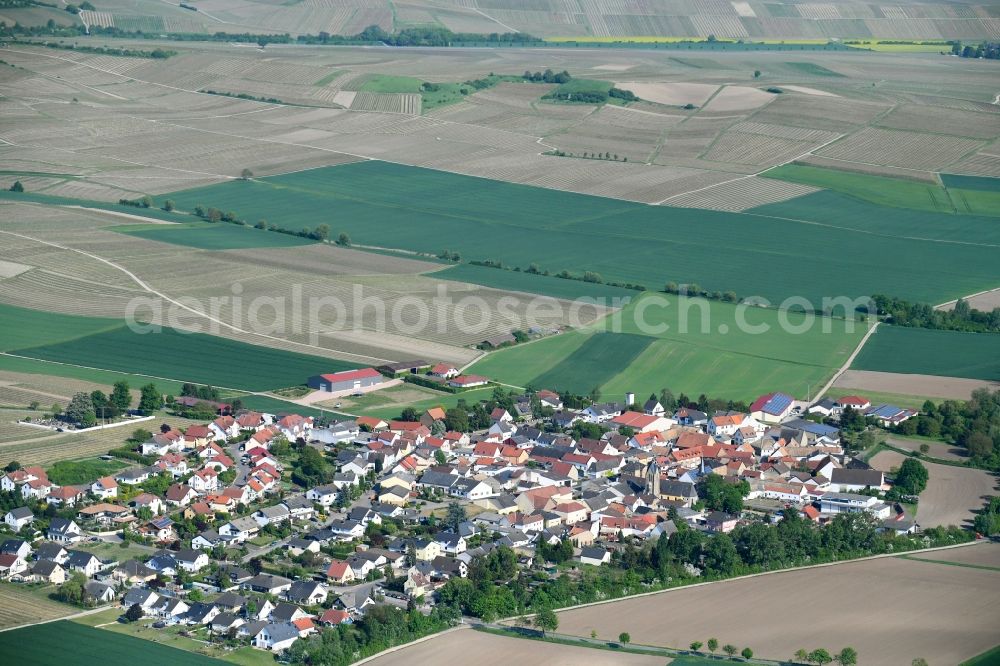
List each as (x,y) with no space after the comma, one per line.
(962,195)
(23,327)
(193,357)
(208,236)
(533,284)
(932,352)
(981,183)
(442,95)
(46,644)
(595,362)
(520,225)
(710,354)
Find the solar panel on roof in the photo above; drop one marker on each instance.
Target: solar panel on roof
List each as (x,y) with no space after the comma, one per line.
(778,403)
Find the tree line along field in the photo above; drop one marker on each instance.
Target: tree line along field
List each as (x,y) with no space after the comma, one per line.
(213,236)
(932,352)
(519,225)
(193,357)
(731,364)
(45,644)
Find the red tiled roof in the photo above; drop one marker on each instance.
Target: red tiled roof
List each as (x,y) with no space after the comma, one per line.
(351,375)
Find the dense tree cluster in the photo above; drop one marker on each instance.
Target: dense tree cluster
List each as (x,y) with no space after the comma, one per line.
(548,76)
(988,50)
(921,315)
(973,424)
(380,628)
(496,588)
(987,523)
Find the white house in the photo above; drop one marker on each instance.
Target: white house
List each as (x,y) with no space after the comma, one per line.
(277,637)
(105,488)
(323,495)
(19,517)
(191,560)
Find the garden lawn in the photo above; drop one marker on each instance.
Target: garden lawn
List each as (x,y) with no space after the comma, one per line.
(190,357)
(74,472)
(71,643)
(932,352)
(212,236)
(899,252)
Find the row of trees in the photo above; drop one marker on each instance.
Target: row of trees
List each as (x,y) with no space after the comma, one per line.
(820,656)
(713,644)
(962,317)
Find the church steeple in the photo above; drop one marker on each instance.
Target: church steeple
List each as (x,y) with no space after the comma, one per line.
(653,478)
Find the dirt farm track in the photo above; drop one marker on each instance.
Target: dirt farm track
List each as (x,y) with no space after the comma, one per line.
(890,610)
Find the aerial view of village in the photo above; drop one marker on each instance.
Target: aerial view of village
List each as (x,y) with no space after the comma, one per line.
(536,332)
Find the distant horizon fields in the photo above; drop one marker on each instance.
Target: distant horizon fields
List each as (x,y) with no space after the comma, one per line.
(831,238)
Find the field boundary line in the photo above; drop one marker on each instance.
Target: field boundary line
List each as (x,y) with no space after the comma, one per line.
(215,320)
(811,151)
(847,364)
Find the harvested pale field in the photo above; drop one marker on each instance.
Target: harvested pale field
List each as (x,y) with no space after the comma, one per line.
(890,610)
(738,98)
(921,118)
(491,650)
(756,149)
(325,259)
(952,493)
(899,148)
(809,91)
(9,269)
(21,605)
(952,388)
(985,554)
(986,301)
(742,194)
(671,94)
